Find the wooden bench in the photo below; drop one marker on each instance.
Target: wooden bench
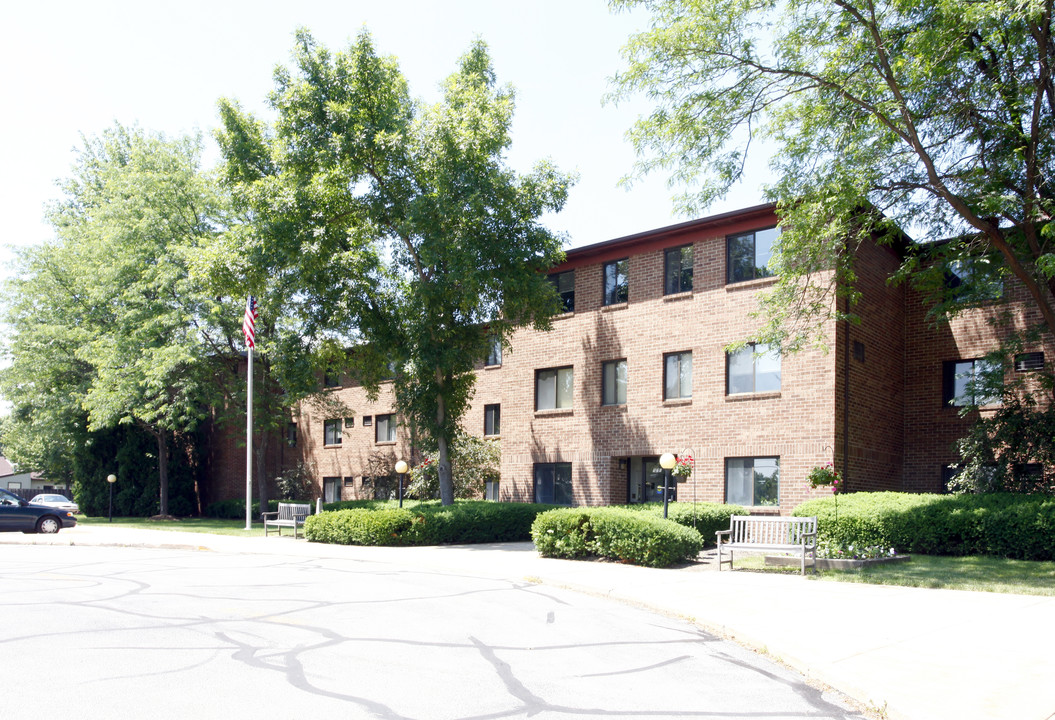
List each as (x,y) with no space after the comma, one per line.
(781,534)
(288,515)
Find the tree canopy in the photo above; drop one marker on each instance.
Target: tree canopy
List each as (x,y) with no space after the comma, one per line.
(405,236)
(933,116)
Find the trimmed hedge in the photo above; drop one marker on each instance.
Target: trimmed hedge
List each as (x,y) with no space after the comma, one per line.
(235,509)
(465,522)
(1005,525)
(706,518)
(629,536)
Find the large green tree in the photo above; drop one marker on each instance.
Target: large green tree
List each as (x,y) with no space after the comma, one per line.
(404,233)
(937,116)
(108,326)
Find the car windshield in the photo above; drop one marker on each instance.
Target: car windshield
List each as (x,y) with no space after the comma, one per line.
(8,498)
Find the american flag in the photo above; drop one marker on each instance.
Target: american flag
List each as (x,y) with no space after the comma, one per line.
(249,322)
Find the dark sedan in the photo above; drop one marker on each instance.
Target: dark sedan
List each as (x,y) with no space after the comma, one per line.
(17,515)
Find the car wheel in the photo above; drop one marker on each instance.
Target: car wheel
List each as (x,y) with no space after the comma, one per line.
(48,524)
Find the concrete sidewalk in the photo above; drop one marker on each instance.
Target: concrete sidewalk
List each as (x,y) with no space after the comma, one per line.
(910,653)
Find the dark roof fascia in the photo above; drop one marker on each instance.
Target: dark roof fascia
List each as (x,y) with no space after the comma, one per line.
(663,236)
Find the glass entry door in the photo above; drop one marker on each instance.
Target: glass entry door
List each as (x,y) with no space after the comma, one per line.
(645,481)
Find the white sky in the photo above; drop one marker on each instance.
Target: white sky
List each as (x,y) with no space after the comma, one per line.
(76,67)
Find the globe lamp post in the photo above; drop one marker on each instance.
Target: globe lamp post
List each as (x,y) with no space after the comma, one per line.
(401,468)
(111,479)
(667,462)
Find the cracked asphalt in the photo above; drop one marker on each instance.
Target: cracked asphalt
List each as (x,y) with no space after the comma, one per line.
(119,632)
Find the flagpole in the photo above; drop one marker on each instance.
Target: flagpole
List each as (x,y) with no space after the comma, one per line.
(249,445)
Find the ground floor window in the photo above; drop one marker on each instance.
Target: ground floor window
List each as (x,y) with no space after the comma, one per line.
(752,481)
(331,489)
(553,483)
(491,490)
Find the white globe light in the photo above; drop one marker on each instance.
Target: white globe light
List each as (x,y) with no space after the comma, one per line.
(401,467)
(667,461)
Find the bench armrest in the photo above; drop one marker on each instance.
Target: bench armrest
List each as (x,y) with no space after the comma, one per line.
(718,535)
(263,515)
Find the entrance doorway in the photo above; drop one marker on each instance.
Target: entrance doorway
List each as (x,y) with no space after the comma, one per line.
(644,482)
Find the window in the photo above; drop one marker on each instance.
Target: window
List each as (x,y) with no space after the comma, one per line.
(331,489)
(349,481)
(564,282)
(553,388)
(385,429)
(677,270)
(748,255)
(752,481)
(494,353)
(752,369)
(613,383)
(967,383)
(859,351)
(291,434)
(331,378)
(349,422)
(492,419)
(367,420)
(615,283)
(677,375)
(553,483)
(332,432)
(1026,362)
(972,280)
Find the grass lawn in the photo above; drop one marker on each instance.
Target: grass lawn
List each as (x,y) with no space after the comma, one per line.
(201,525)
(986,574)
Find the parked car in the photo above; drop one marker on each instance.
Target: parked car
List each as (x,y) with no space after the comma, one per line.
(60,502)
(17,515)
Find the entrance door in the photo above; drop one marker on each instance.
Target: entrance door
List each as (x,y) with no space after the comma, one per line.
(645,481)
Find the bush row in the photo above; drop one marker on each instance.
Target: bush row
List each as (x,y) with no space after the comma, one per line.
(997,524)
(465,522)
(235,509)
(621,534)
(706,518)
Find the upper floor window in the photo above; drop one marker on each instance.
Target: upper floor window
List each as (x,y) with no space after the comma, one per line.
(677,270)
(492,419)
(752,369)
(494,352)
(331,430)
(564,282)
(291,434)
(616,288)
(748,254)
(967,383)
(553,388)
(613,383)
(385,428)
(973,280)
(677,375)
(331,378)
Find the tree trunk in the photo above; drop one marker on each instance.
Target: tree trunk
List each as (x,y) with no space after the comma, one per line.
(444,470)
(163,472)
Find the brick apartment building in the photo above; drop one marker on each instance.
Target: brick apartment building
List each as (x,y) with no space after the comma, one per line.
(637,367)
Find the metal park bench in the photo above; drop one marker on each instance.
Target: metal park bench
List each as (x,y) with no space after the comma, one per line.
(288,515)
(780,534)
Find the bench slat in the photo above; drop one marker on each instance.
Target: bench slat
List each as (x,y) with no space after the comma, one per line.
(789,534)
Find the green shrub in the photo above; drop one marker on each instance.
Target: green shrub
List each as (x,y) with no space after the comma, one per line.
(373,522)
(358,527)
(705,518)
(235,509)
(622,534)
(1002,525)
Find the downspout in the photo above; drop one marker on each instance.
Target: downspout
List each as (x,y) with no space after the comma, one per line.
(846,400)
